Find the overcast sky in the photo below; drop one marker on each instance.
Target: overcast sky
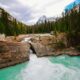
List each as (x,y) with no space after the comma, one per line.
(29,11)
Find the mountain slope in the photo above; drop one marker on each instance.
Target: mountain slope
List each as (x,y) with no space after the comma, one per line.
(9,25)
(42,19)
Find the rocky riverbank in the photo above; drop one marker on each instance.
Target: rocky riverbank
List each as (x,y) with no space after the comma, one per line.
(44,44)
(12,53)
(16,50)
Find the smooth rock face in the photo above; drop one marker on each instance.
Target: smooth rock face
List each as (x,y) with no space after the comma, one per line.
(43,45)
(12,53)
(40,50)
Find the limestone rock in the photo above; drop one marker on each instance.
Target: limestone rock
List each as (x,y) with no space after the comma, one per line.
(41,50)
(2,37)
(43,45)
(12,53)
(10,38)
(19,38)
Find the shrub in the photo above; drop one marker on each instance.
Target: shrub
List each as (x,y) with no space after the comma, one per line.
(73,38)
(59,45)
(78,48)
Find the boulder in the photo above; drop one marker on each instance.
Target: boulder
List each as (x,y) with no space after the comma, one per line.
(12,53)
(43,45)
(41,50)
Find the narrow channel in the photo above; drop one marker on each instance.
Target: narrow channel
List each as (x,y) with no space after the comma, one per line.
(45,68)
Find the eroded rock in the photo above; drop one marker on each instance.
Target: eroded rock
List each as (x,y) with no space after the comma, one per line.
(42,44)
(12,53)
(45,45)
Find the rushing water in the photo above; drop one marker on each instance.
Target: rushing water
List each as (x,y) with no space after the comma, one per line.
(45,68)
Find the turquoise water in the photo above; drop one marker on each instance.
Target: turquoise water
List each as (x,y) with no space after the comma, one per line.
(50,68)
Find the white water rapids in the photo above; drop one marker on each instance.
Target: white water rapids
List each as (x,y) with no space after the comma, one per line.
(45,68)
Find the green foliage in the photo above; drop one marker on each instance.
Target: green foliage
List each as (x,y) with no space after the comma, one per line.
(78,48)
(59,45)
(68,23)
(9,25)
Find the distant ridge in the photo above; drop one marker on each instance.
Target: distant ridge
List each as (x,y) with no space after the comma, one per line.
(43,18)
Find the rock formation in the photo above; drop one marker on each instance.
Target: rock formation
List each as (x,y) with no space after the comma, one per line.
(12,53)
(43,45)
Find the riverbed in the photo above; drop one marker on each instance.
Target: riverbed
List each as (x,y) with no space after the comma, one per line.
(46,68)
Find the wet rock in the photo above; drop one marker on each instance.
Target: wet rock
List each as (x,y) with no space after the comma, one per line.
(72,52)
(12,53)
(19,38)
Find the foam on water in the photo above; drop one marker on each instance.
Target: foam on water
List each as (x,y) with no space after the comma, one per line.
(43,69)
(52,68)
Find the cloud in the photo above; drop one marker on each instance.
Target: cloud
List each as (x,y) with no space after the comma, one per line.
(29,11)
(16,9)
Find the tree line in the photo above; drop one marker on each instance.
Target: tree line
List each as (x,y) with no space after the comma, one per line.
(68,23)
(9,25)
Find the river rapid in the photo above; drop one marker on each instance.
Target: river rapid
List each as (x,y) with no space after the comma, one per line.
(46,68)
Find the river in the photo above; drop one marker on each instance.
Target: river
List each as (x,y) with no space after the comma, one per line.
(45,68)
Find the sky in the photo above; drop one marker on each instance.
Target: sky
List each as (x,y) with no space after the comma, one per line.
(29,11)
(71,5)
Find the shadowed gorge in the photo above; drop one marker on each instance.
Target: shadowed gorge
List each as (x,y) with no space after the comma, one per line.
(32,49)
